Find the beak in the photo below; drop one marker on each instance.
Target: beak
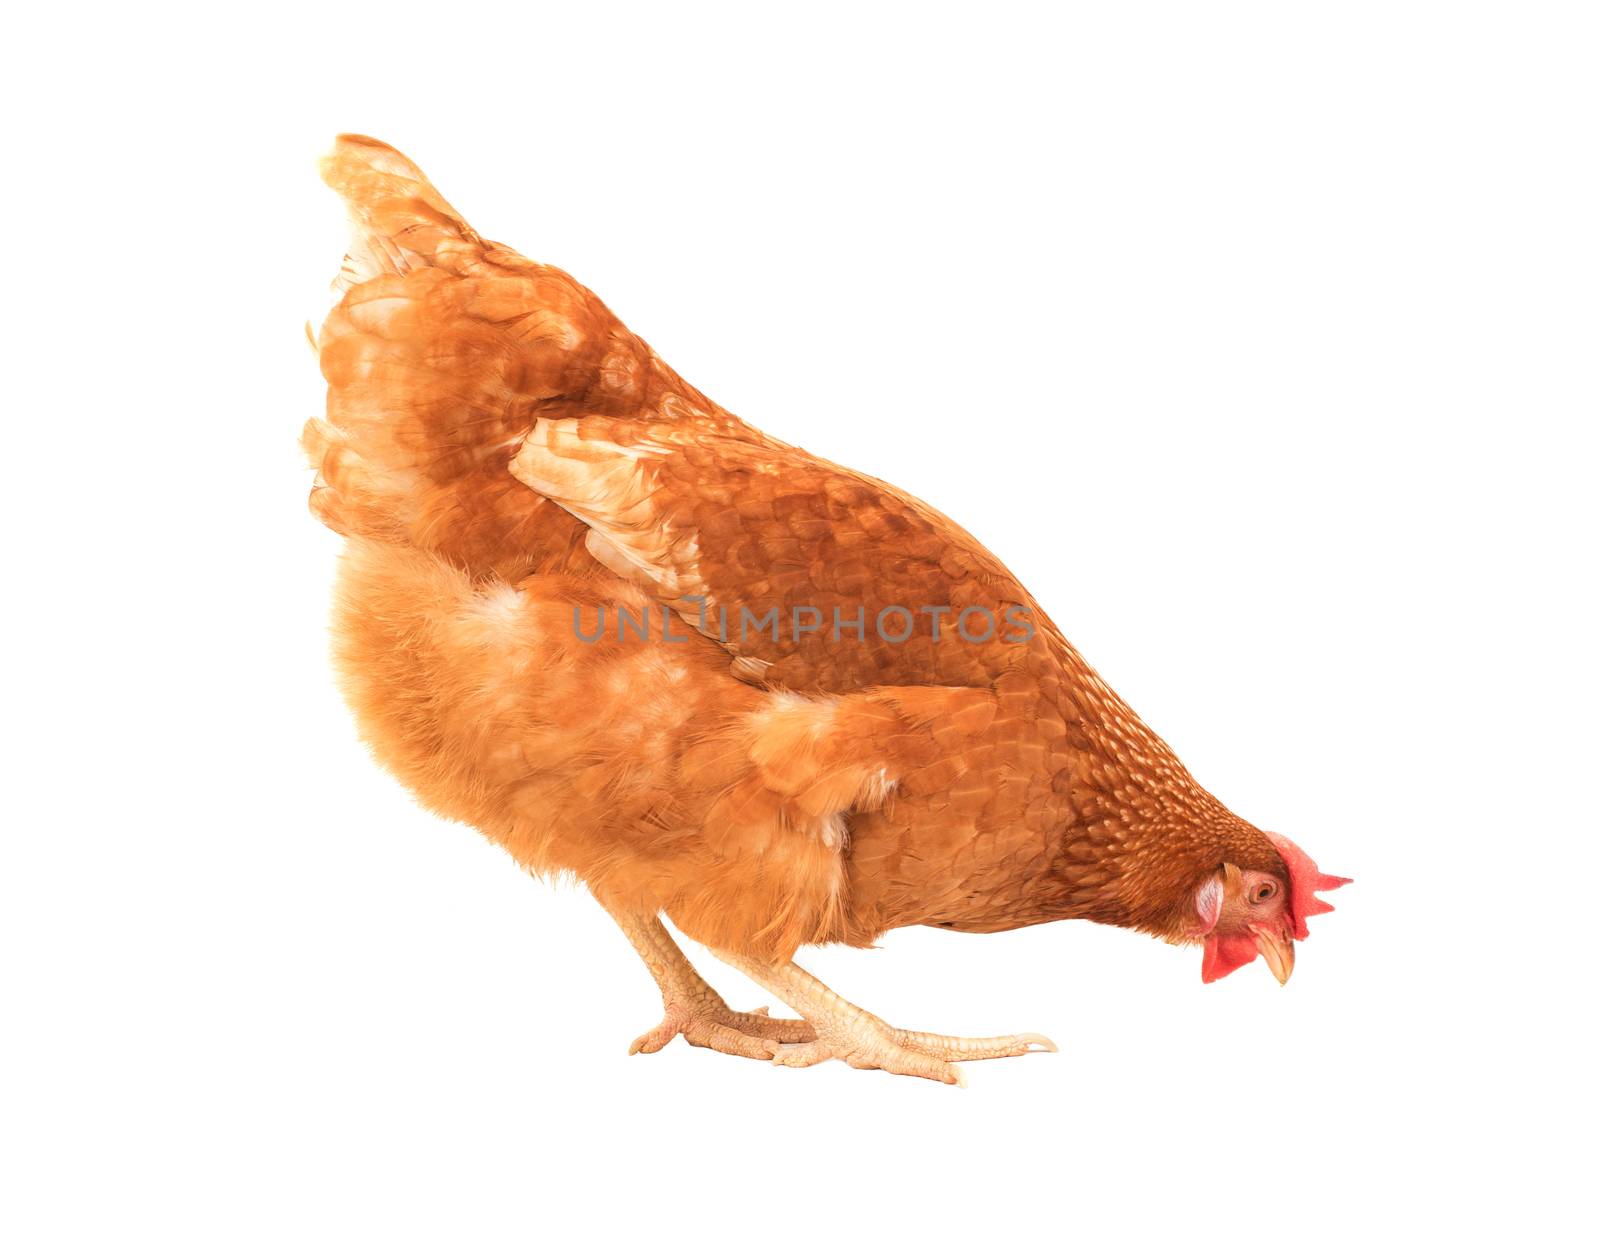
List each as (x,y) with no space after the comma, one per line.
(1277,948)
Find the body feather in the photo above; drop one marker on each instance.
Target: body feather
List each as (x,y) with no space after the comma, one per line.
(506,459)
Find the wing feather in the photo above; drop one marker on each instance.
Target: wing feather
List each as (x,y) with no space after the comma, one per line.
(820,577)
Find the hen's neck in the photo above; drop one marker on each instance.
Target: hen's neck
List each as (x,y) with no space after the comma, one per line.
(1138,833)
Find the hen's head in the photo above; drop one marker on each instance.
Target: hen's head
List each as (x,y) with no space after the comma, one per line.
(1243,913)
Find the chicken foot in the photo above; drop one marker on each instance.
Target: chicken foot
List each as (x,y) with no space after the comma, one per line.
(844,1031)
(693,1008)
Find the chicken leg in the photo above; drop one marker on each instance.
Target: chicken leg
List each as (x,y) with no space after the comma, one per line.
(844,1031)
(693,1008)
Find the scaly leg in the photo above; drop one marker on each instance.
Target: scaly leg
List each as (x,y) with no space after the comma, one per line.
(845,1031)
(693,1008)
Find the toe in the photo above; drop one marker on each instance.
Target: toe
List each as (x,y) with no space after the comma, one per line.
(972,1049)
(751,1034)
(650,1042)
(802,1054)
(900,1061)
(758,1023)
(710,1035)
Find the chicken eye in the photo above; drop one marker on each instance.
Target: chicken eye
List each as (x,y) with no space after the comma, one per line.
(1263,892)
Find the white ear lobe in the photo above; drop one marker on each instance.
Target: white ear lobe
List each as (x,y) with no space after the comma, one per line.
(1208,902)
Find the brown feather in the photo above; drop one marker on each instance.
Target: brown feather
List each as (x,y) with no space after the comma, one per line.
(500,450)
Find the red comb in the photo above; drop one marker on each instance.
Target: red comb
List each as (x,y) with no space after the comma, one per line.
(1305,880)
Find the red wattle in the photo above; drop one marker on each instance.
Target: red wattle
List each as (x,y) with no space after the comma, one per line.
(1227,953)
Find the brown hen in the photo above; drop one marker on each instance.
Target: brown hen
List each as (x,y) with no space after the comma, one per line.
(593,614)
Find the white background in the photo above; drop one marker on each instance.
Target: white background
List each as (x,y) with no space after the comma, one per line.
(1258,339)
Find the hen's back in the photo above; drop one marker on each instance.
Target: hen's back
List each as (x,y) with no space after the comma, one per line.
(442,352)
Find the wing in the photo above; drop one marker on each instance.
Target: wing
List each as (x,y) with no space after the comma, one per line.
(813,577)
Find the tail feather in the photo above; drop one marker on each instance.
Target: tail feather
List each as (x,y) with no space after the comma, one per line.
(398,220)
(440,351)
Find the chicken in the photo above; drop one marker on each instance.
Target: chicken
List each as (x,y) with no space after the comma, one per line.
(630,638)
